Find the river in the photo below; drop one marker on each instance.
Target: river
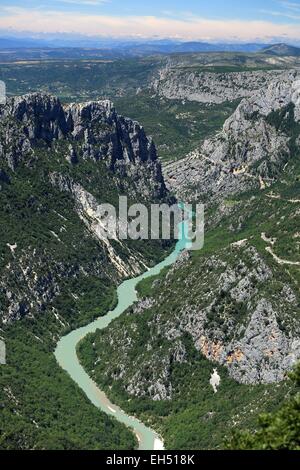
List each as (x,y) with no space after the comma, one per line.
(66,356)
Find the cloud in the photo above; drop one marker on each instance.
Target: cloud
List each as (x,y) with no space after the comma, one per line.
(290,10)
(291,16)
(290,5)
(144,26)
(85,2)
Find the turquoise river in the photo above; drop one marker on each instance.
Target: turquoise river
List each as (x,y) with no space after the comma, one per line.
(66,356)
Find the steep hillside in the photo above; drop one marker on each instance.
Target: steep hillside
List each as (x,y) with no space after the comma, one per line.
(205,86)
(176,126)
(276,431)
(282,50)
(57,164)
(233,306)
(255,144)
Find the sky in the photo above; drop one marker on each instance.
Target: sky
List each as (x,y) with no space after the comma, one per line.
(210,20)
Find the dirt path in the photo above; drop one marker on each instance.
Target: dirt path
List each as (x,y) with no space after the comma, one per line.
(279,260)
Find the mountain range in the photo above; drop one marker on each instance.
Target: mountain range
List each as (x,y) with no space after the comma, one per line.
(120,47)
(282,50)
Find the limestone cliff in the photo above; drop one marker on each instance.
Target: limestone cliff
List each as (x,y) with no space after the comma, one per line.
(57,164)
(209,87)
(252,149)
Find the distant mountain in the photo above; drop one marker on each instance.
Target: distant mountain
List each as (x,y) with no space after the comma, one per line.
(282,50)
(124,47)
(194,46)
(97,47)
(21,43)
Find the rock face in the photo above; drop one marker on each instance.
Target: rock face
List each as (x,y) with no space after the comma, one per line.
(251,150)
(233,303)
(91,130)
(241,328)
(86,206)
(208,87)
(57,164)
(224,303)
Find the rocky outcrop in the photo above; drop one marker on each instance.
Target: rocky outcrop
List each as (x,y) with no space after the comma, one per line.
(225,305)
(240,328)
(209,87)
(57,165)
(88,209)
(251,150)
(83,131)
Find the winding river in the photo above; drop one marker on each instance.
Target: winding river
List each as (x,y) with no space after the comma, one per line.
(66,356)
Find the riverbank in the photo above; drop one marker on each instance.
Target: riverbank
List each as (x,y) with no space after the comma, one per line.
(67,358)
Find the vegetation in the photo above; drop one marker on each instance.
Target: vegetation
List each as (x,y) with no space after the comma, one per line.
(40,406)
(195,418)
(78,80)
(276,431)
(177,127)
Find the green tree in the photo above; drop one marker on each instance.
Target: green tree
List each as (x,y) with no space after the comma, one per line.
(276,431)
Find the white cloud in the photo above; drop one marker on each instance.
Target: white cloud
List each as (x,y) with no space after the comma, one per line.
(291,10)
(85,2)
(290,15)
(39,21)
(290,5)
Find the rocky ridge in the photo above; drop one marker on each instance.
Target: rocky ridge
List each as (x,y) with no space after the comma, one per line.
(231,318)
(253,147)
(210,87)
(91,130)
(57,164)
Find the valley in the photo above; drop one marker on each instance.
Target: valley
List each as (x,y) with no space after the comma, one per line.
(215,128)
(233,305)
(53,284)
(228,306)
(155,90)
